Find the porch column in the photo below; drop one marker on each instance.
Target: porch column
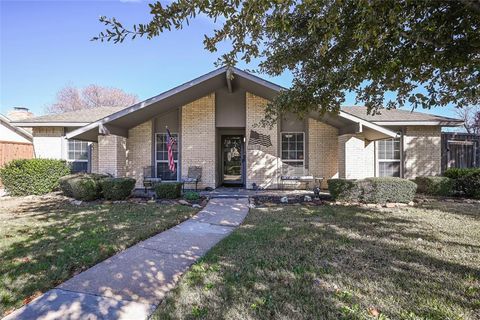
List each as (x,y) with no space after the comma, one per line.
(198,139)
(112,155)
(356,157)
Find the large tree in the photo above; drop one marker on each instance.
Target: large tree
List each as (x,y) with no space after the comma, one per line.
(426,52)
(72,98)
(471,118)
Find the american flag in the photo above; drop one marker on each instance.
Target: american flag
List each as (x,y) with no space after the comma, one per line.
(170,143)
(259,138)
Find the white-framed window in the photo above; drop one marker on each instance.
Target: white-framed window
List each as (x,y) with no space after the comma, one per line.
(293,152)
(161,157)
(389,158)
(77,155)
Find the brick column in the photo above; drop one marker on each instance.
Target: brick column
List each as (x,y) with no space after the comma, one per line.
(356,157)
(322,150)
(112,155)
(139,151)
(198,139)
(263,163)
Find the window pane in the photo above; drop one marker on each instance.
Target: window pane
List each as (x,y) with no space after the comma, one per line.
(164,172)
(389,169)
(79,166)
(292,146)
(77,150)
(389,149)
(162,149)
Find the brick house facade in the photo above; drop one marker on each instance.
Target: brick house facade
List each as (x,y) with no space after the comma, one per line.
(215,121)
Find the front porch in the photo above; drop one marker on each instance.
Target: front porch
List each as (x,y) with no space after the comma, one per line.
(215,120)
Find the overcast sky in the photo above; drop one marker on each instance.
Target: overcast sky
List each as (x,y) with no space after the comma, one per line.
(45,45)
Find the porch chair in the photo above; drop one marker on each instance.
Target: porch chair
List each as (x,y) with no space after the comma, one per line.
(194,176)
(149,179)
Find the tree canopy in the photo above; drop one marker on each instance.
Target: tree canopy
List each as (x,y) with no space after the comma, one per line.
(426,52)
(72,98)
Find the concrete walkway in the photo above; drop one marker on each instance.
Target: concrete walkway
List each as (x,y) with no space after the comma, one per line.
(131,284)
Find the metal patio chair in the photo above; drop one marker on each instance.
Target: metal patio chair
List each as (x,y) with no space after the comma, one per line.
(149,179)
(194,176)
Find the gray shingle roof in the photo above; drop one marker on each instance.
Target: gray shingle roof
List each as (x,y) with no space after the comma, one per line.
(80,116)
(394,115)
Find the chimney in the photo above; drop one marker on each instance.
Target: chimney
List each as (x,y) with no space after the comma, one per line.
(19,113)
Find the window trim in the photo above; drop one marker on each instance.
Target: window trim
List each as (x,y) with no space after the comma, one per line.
(166,161)
(281,148)
(377,158)
(68,159)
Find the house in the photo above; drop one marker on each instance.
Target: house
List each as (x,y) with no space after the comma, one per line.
(215,119)
(15,143)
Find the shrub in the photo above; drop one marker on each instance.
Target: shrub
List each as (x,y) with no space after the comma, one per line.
(468,185)
(373,190)
(82,186)
(169,190)
(465,181)
(343,189)
(191,196)
(117,188)
(435,186)
(32,176)
(455,173)
(388,189)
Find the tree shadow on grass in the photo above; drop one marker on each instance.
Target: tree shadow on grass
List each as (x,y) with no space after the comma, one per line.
(50,240)
(331,263)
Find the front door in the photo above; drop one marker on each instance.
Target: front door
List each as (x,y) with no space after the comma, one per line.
(232,159)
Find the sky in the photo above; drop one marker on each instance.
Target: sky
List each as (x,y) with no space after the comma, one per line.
(45,45)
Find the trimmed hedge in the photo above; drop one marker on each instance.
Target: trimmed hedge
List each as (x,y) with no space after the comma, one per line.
(168,190)
(117,188)
(388,189)
(455,173)
(469,184)
(32,176)
(373,190)
(82,186)
(344,189)
(435,186)
(466,181)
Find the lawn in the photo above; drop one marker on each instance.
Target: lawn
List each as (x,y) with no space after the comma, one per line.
(46,240)
(336,262)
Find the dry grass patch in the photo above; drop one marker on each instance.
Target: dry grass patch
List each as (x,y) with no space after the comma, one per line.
(334,262)
(46,240)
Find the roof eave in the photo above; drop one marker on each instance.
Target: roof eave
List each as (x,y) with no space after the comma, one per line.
(368,124)
(50,124)
(442,123)
(27,135)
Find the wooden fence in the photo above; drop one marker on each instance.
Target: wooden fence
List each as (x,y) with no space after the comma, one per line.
(460,150)
(14,150)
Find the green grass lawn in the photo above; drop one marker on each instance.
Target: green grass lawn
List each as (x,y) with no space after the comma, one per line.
(46,240)
(334,262)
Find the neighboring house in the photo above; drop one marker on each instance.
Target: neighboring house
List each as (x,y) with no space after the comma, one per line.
(49,136)
(15,143)
(215,121)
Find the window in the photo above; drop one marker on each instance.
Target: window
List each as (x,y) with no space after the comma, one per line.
(78,155)
(293,152)
(389,157)
(161,157)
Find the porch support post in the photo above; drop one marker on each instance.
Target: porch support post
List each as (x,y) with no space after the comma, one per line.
(356,157)
(112,155)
